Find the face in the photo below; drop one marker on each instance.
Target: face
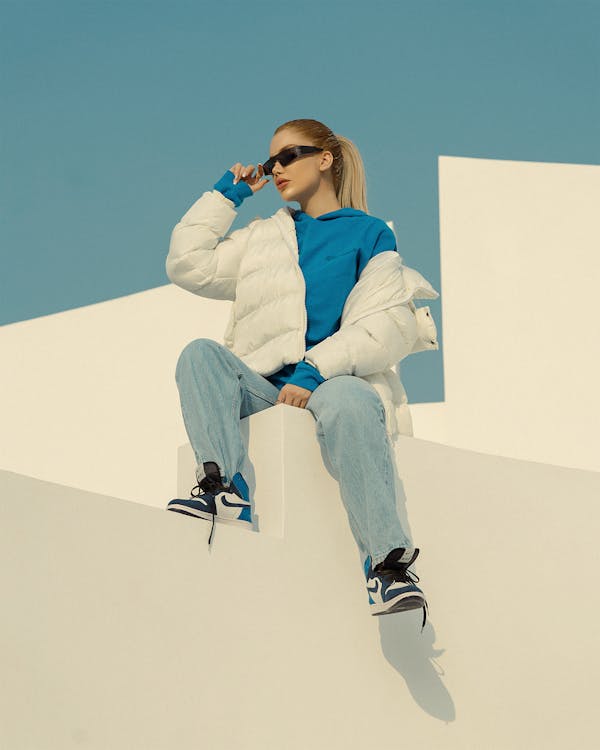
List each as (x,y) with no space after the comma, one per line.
(304,174)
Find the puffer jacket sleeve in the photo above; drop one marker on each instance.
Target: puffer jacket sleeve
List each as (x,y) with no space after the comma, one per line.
(369,345)
(202,258)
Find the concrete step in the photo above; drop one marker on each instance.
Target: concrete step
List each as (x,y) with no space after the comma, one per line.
(120,628)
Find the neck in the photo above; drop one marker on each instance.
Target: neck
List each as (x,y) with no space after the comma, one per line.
(322,202)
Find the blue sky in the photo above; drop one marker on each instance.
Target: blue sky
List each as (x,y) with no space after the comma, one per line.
(116,116)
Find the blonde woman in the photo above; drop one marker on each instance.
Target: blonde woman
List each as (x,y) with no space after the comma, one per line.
(321,312)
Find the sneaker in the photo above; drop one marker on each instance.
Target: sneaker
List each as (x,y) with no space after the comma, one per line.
(213,500)
(390,585)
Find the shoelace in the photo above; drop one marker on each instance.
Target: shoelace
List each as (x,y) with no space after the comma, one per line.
(414,578)
(402,573)
(211,485)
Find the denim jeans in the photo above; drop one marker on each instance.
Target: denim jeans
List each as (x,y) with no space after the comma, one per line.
(217,389)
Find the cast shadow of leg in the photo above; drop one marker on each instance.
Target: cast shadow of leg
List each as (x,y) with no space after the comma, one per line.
(411,652)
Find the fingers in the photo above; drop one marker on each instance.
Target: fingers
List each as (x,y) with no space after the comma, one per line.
(300,403)
(263,180)
(256,182)
(292,397)
(245,173)
(237,169)
(241,172)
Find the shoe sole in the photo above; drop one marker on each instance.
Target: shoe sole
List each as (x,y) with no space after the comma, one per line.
(411,601)
(186,511)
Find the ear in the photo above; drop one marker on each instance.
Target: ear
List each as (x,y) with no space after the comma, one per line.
(326,160)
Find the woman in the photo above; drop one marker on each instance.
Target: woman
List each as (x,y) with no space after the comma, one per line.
(321,312)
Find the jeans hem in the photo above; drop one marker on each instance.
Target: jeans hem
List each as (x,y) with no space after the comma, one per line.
(380,556)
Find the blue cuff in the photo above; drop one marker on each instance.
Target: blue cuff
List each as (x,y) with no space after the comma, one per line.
(235,193)
(306,376)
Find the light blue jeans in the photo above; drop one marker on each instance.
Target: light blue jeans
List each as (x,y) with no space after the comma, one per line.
(217,389)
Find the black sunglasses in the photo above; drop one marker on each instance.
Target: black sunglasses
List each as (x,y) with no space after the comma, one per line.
(287,156)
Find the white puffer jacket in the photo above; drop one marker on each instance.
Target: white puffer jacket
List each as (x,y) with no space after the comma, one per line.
(257,268)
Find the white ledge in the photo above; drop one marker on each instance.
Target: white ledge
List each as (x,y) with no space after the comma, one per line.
(124,630)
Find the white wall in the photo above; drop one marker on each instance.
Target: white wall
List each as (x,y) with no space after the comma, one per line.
(520,262)
(88,396)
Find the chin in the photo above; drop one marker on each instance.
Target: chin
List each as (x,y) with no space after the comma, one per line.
(290,196)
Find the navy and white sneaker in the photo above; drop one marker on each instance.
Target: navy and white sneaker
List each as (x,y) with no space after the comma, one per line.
(213,500)
(392,588)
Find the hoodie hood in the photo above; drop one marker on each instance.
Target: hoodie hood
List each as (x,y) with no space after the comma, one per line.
(299,215)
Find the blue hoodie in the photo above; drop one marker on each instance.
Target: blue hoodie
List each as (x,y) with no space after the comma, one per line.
(333,250)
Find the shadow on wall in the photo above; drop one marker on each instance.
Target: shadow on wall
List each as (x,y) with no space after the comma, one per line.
(410,652)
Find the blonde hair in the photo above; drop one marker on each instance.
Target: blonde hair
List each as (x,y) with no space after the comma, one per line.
(348,171)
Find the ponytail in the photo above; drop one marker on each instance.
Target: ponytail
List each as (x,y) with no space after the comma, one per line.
(352,187)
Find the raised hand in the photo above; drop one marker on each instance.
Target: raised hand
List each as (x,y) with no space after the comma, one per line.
(255,181)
